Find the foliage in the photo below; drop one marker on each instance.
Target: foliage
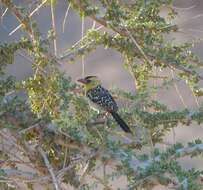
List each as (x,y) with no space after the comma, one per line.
(48,120)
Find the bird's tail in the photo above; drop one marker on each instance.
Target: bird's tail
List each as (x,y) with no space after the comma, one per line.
(121,123)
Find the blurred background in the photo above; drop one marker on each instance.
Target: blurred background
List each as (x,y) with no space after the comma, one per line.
(107,64)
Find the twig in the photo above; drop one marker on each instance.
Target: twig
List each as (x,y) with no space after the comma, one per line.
(71,145)
(65,157)
(24,176)
(83,57)
(102,182)
(32,62)
(19,159)
(70,54)
(31,177)
(11,141)
(53,27)
(3,14)
(158,77)
(188,151)
(49,167)
(177,90)
(23,147)
(182,152)
(36,125)
(84,173)
(93,24)
(31,14)
(138,46)
(184,9)
(65,17)
(19,16)
(62,172)
(195,97)
(98,122)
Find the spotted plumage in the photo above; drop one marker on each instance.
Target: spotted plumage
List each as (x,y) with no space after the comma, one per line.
(102,97)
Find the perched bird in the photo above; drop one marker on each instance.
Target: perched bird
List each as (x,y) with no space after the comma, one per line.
(102,97)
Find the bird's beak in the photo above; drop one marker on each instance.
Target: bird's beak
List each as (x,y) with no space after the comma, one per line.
(83,81)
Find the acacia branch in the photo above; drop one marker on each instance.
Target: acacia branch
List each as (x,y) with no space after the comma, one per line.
(101,181)
(188,151)
(9,4)
(49,167)
(135,164)
(124,32)
(32,177)
(24,176)
(30,15)
(27,26)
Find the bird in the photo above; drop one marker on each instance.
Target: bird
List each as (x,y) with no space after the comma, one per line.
(103,99)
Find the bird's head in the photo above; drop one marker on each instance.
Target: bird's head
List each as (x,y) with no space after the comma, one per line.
(89,82)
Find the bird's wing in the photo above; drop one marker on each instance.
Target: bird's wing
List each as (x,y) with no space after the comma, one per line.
(103,98)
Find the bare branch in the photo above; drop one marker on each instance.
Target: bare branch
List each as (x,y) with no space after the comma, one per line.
(54,28)
(65,17)
(30,15)
(24,176)
(177,90)
(19,16)
(49,167)
(102,182)
(3,14)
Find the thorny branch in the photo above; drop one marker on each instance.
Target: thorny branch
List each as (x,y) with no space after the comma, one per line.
(125,32)
(49,167)
(27,26)
(119,156)
(9,4)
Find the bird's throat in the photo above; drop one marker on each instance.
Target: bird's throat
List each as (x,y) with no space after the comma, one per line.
(90,87)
